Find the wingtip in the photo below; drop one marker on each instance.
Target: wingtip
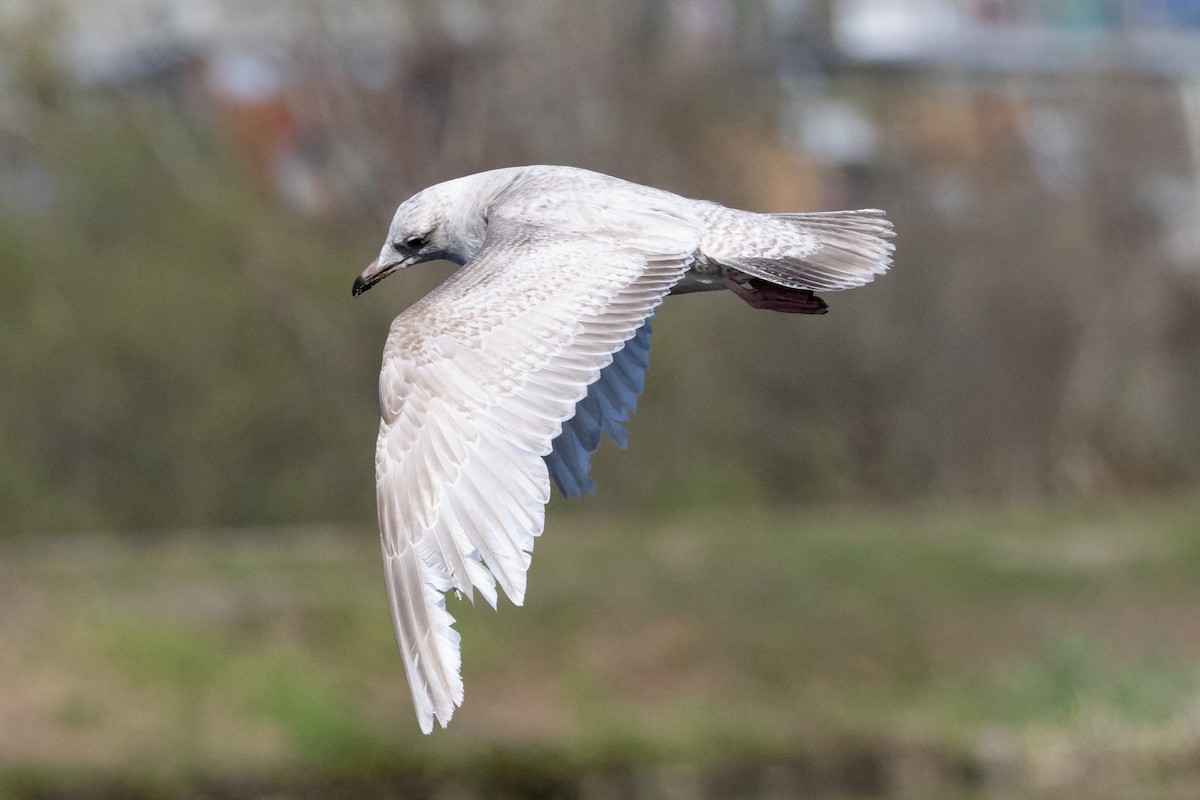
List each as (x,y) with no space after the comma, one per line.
(440,709)
(443,719)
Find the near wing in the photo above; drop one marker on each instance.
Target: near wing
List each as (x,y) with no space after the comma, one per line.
(477,380)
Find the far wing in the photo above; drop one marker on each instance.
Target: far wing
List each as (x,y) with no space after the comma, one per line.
(609,402)
(477,380)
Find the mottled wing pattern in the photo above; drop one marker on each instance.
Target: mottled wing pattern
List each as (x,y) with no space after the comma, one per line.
(477,380)
(609,402)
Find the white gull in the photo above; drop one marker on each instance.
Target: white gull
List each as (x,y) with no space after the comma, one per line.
(507,374)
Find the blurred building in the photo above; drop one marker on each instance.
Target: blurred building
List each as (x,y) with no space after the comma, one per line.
(296,85)
(1152,36)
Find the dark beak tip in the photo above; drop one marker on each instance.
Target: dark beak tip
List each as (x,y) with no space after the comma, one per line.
(360,286)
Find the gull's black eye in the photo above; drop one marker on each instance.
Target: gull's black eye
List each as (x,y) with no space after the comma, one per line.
(413,243)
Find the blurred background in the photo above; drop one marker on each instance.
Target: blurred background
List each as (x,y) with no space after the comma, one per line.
(941,542)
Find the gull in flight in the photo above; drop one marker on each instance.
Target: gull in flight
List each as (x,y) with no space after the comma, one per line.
(507,375)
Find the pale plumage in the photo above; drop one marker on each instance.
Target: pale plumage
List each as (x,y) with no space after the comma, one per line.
(509,372)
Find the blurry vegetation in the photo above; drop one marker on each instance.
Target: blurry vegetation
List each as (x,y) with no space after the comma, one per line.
(178,346)
(903,654)
(170,356)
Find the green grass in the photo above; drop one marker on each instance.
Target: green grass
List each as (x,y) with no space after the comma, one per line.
(1021,646)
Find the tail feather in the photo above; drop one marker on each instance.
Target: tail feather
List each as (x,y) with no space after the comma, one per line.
(822,251)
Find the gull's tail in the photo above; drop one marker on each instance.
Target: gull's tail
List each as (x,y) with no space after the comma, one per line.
(822,251)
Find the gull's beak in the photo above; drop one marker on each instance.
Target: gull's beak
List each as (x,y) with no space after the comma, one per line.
(374,273)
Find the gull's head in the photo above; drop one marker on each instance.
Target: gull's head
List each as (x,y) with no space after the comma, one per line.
(428,226)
